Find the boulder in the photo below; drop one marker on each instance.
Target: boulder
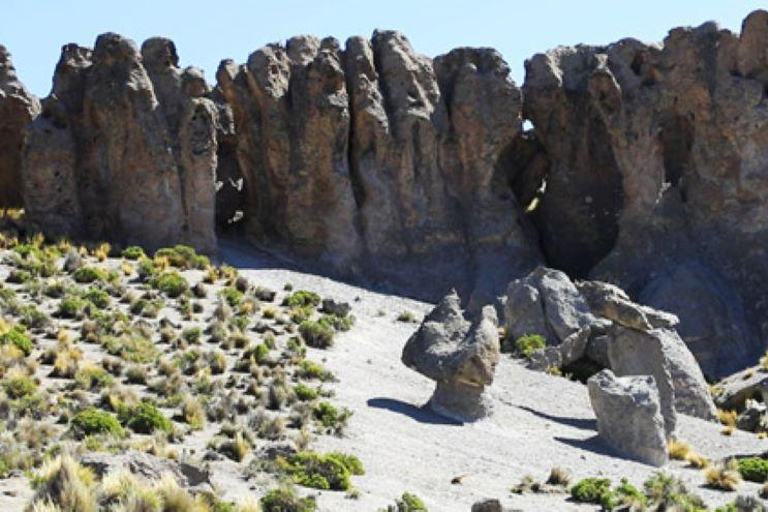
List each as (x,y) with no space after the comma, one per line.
(17,108)
(460,356)
(751,418)
(150,467)
(489,505)
(338,308)
(629,415)
(734,391)
(661,353)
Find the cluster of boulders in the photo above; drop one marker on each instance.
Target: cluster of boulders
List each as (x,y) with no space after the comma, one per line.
(648,374)
(745,393)
(643,165)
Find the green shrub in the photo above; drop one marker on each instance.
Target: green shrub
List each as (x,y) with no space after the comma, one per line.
(71,306)
(319,471)
(312,370)
(172,284)
(285,499)
(89,275)
(406,317)
(593,490)
(19,386)
(183,256)
(192,334)
(18,339)
(145,418)
(133,253)
(302,298)
(666,492)
(92,377)
(305,393)
(18,277)
(133,348)
(754,469)
(259,353)
(338,323)
(408,503)
(146,269)
(232,295)
(629,495)
(331,417)
(97,297)
(528,343)
(353,464)
(94,421)
(316,334)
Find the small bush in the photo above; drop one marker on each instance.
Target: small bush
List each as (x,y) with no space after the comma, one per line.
(305,393)
(19,386)
(527,344)
(311,370)
(232,296)
(97,297)
(133,253)
(172,284)
(754,469)
(724,476)
(71,307)
(331,417)
(406,317)
(145,418)
(183,256)
(89,275)
(319,471)
(408,502)
(286,499)
(94,421)
(301,299)
(18,339)
(90,377)
(593,490)
(316,334)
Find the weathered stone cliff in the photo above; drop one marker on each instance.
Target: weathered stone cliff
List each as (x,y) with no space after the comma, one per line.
(647,165)
(17,108)
(125,147)
(658,176)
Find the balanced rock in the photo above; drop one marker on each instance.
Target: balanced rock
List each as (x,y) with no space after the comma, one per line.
(460,356)
(629,415)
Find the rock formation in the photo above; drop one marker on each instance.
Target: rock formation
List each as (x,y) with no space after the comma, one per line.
(643,168)
(125,148)
(597,322)
(379,161)
(459,356)
(17,108)
(656,180)
(629,416)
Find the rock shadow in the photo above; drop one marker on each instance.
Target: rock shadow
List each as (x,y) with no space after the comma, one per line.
(420,414)
(580,423)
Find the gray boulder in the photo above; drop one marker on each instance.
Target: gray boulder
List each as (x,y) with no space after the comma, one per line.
(750,418)
(490,505)
(150,467)
(629,417)
(734,391)
(459,356)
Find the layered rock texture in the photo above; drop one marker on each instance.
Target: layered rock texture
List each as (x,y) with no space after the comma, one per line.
(17,108)
(125,147)
(645,166)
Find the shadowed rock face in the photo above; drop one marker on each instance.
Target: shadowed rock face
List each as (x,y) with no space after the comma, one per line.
(125,148)
(17,108)
(658,178)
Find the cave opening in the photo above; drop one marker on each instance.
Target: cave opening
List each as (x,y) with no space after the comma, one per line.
(676,136)
(230,193)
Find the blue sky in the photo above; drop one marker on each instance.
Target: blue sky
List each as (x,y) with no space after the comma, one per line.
(206,32)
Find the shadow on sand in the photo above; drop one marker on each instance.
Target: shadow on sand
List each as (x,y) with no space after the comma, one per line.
(420,414)
(580,423)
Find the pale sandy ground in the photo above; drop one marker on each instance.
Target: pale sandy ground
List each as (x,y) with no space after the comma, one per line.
(539,422)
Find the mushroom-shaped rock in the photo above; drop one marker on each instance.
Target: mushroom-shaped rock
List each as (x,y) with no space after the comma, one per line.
(460,356)
(629,415)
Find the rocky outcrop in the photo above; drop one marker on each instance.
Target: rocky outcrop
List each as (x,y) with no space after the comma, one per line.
(125,148)
(459,356)
(381,162)
(629,416)
(17,108)
(597,322)
(643,168)
(656,180)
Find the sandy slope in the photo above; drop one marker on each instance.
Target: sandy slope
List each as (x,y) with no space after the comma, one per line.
(540,421)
